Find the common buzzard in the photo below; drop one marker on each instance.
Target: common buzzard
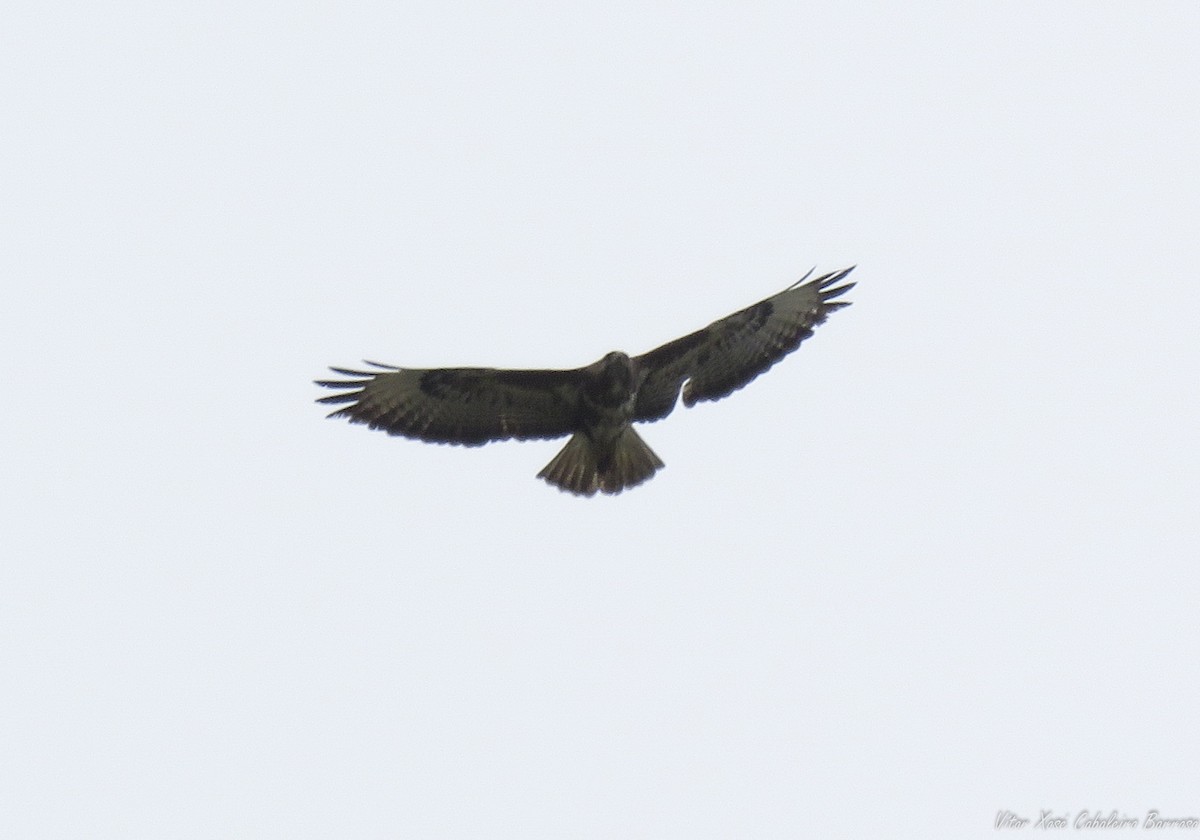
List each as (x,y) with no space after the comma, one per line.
(597,404)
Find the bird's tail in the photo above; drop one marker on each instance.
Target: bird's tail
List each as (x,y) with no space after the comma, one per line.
(584,466)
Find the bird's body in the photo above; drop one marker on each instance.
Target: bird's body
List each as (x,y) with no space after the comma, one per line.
(597,404)
(606,454)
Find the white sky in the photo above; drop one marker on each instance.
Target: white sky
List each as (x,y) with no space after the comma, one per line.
(940,563)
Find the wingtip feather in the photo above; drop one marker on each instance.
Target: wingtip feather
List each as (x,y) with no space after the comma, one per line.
(830,294)
(832,277)
(335,399)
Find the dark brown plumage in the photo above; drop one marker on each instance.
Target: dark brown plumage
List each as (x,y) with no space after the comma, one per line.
(597,404)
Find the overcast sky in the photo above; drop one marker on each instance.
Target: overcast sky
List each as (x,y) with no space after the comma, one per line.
(941,563)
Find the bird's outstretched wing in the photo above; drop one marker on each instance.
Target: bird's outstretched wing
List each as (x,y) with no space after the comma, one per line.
(467,406)
(729,353)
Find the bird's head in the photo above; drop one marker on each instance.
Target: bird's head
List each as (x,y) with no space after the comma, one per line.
(617,368)
(612,380)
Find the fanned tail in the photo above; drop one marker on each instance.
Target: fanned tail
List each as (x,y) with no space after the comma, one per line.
(582,466)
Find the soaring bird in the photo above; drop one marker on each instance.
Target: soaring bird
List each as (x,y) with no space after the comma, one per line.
(596,405)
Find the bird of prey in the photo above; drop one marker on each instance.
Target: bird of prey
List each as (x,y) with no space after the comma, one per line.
(596,405)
